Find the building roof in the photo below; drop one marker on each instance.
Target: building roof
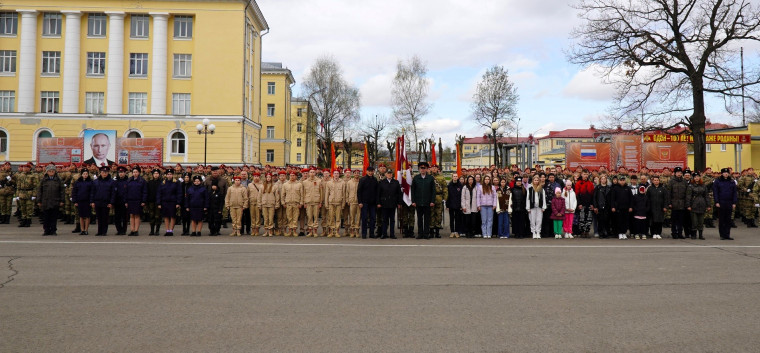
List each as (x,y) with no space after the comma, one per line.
(257,13)
(488,141)
(708,127)
(572,133)
(276,68)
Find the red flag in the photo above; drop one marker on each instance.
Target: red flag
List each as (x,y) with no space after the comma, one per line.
(432,148)
(459,162)
(332,157)
(404,172)
(366,160)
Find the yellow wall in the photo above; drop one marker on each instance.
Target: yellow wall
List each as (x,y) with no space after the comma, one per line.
(748,157)
(307,134)
(281,121)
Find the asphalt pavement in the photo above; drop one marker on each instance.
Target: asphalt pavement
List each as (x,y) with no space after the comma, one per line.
(74,293)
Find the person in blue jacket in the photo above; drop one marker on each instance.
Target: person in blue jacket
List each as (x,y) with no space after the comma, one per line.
(101,197)
(137,195)
(196,205)
(168,200)
(119,201)
(80,197)
(726,196)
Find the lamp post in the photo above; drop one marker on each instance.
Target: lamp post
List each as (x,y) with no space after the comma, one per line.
(205,128)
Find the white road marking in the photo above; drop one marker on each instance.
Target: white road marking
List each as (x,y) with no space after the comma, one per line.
(370,245)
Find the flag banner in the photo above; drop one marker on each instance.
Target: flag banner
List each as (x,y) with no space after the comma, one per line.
(587,155)
(365,163)
(658,156)
(434,161)
(332,157)
(728,139)
(404,171)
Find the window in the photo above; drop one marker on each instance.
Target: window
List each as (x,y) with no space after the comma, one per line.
(181,103)
(178,143)
(270,109)
(93,102)
(7,61)
(183,27)
(96,25)
(44,134)
(8,23)
(49,102)
(298,142)
(560,143)
(96,63)
(708,148)
(7,101)
(182,65)
(299,127)
(270,87)
(51,24)
(299,111)
(270,156)
(723,147)
(134,135)
(298,157)
(51,62)
(139,26)
(138,103)
(270,132)
(3,141)
(138,64)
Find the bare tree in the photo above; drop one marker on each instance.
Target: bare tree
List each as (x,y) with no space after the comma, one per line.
(335,103)
(372,129)
(391,147)
(754,114)
(666,54)
(410,94)
(495,101)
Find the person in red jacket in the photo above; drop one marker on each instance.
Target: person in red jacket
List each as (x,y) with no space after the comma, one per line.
(584,192)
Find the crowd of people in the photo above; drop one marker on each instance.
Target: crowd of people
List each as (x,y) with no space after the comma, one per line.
(481,203)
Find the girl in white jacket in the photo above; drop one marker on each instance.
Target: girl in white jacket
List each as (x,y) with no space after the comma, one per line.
(535,202)
(571,203)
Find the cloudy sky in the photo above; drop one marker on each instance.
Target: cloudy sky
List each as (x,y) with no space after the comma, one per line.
(458,40)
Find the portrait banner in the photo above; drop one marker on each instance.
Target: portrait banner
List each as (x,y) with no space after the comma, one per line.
(100,147)
(59,150)
(142,151)
(591,156)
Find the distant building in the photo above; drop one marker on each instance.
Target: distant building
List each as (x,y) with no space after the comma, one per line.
(276,84)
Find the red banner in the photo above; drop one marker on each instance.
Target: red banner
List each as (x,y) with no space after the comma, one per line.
(59,150)
(142,151)
(710,139)
(657,156)
(625,152)
(587,155)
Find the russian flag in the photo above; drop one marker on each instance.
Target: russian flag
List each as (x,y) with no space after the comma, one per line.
(588,153)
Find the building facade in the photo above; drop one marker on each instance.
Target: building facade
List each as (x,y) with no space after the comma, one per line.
(276,123)
(144,68)
(303,139)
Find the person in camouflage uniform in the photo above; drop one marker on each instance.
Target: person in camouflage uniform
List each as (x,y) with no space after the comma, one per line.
(709,179)
(755,196)
(746,206)
(66,210)
(441,193)
(665,180)
(26,184)
(7,189)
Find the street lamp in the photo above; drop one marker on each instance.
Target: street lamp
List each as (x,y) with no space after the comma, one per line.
(494,126)
(205,128)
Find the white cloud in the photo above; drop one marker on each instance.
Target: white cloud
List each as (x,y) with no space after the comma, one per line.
(376,91)
(589,84)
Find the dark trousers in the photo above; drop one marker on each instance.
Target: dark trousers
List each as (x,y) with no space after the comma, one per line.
(639,226)
(687,226)
(621,221)
(724,221)
(101,214)
(120,217)
(214,220)
(456,221)
(245,222)
(423,221)
(677,218)
(603,223)
(656,228)
(49,220)
(368,215)
(470,226)
(547,225)
(388,222)
(520,223)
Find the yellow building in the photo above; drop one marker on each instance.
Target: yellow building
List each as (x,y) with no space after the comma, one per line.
(738,157)
(551,148)
(476,151)
(143,68)
(277,83)
(303,139)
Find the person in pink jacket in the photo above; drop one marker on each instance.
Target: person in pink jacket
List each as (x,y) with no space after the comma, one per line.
(487,199)
(558,212)
(571,203)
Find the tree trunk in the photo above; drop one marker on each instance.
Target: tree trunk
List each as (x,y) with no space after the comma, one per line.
(698,126)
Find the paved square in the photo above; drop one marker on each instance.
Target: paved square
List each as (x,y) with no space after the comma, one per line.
(219,294)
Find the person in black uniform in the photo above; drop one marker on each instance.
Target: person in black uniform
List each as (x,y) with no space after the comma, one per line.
(423,197)
(389,198)
(620,206)
(168,200)
(215,206)
(120,201)
(136,197)
(185,183)
(154,213)
(101,197)
(50,194)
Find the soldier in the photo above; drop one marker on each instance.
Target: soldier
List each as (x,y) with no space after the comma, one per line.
(50,196)
(312,202)
(353,220)
(322,185)
(755,196)
(335,199)
(441,193)
(677,196)
(269,202)
(708,178)
(236,201)
(280,214)
(423,199)
(725,196)
(292,201)
(152,211)
(25,185)
(366,196)
(746,206)
(101,197)
(66,210)
(120,201)
(7,189)
(254,195)
(169,200)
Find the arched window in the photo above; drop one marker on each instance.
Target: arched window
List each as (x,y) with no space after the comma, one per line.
(3,141)
(44,133)
(40,133)
(179,142)
(133,134)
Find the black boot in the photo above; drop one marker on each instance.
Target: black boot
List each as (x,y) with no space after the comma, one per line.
(437,233)
(733,224)
(700,236)
(751,224)
(709,223)
(28,223)
(152,230)
(78,229)
(69,220)
(693,234)
(21,223)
